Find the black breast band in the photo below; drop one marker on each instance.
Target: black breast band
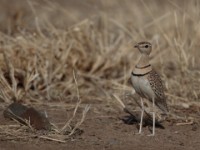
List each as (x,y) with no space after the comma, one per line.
(139,74)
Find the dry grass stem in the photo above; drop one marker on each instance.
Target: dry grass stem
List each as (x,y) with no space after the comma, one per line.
(63,130)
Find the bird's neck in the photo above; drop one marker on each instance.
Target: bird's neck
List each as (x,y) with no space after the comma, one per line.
(143,66)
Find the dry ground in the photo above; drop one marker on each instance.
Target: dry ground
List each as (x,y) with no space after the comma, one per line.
(71,57)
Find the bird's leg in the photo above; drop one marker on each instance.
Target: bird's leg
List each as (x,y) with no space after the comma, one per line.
(154,118)
(142,115)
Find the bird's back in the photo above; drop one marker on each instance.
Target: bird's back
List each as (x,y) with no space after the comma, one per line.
(157,86)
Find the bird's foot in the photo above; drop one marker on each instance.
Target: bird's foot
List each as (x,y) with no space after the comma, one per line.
(153,134)
(139,133)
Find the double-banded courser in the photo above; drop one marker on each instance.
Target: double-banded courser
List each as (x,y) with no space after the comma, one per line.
(147,83)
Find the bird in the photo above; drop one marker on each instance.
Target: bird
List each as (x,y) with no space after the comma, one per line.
(148,84)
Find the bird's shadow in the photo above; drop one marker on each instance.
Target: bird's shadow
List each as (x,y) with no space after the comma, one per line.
(133,118)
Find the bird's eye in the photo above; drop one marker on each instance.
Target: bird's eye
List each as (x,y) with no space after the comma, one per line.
(146,46)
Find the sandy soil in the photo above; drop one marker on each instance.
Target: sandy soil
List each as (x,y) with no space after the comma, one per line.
(106,130)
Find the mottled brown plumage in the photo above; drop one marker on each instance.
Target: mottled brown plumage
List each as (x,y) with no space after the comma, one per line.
(156,85)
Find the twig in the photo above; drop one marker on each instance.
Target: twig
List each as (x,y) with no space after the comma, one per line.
(77,105)
(82,119)
(185,123)
(52,139)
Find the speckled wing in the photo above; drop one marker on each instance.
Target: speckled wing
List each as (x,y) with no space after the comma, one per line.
(156,85)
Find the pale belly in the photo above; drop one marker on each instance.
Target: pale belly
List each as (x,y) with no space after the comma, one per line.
(142,87)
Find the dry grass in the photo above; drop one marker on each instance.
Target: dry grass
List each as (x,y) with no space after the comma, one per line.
(42,42)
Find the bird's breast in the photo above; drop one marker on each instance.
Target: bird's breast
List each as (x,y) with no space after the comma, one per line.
(142,87)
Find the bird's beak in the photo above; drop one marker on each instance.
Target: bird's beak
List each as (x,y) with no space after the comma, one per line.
(136,46)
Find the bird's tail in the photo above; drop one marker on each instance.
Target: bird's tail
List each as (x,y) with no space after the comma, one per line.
(163,106)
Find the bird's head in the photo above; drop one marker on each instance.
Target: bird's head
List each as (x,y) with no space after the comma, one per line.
(144,47)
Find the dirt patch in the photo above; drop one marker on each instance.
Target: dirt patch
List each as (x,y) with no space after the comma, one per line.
(108,131)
